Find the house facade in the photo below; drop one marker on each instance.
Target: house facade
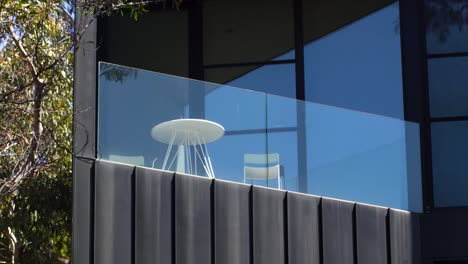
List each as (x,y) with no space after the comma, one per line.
(363,103)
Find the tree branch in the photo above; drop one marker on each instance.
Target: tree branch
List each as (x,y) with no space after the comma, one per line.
(23,52)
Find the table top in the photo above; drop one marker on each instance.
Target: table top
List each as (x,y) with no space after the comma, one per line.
(205,130)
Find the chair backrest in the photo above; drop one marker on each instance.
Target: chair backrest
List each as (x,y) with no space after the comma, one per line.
(261,166)
(132,160)
(262,159)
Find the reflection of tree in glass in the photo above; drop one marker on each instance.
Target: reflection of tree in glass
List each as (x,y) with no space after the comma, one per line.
(443,16)
(117,73)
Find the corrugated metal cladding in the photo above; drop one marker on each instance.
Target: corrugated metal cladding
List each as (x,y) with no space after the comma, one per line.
(125,215)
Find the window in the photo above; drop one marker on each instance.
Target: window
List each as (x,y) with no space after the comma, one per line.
(278,79)
(247,31)
(353,56)
(446,38)
(448,86)
(446,26)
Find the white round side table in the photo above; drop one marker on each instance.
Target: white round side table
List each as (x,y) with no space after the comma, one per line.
(187,133)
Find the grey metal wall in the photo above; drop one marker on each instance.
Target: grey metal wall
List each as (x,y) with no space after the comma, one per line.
(125,215)
(84,139)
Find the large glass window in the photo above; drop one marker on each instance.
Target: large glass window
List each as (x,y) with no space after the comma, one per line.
(446,40)
(448,86)
(446,26)
(246,31)
(449,162)
(353,56)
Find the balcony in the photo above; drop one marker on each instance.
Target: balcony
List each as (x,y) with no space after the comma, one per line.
(313,148)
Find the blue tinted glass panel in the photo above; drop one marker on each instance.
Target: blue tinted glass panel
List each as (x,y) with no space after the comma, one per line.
(279,79)
(126,120)
(283,112)
(285,143)
(449,163)
(359,157)
(283,137)
(446,26)
(241,109)
(358,66)
(162,121)
(228,155)
(448,86)
(345,154)
(132,102)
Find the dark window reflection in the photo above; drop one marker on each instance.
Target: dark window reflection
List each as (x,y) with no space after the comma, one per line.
(449,163)
(278,79)
(446,26)
(158,41)
(357,66)
(246,31)
(448,86)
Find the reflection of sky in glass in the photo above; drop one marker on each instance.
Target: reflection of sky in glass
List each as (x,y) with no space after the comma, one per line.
(449,154)
(248,113)
(349,151)
(358,66)
(448,86)
(277,79)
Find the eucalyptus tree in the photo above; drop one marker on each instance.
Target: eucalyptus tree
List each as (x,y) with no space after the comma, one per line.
(38,39)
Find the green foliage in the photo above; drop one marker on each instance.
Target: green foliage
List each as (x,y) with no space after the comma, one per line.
(124,7)
(37,41)
(36,69)
(41,219)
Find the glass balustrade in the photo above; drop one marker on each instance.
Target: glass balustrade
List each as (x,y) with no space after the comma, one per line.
(193,127)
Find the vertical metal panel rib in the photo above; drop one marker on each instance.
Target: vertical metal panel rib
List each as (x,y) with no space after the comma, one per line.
(83,209)
(303,228)
(153,216)
(192,219)
(268,226)
(232,224)
(371,234)
(404,237)
(337,222)
(113,213)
